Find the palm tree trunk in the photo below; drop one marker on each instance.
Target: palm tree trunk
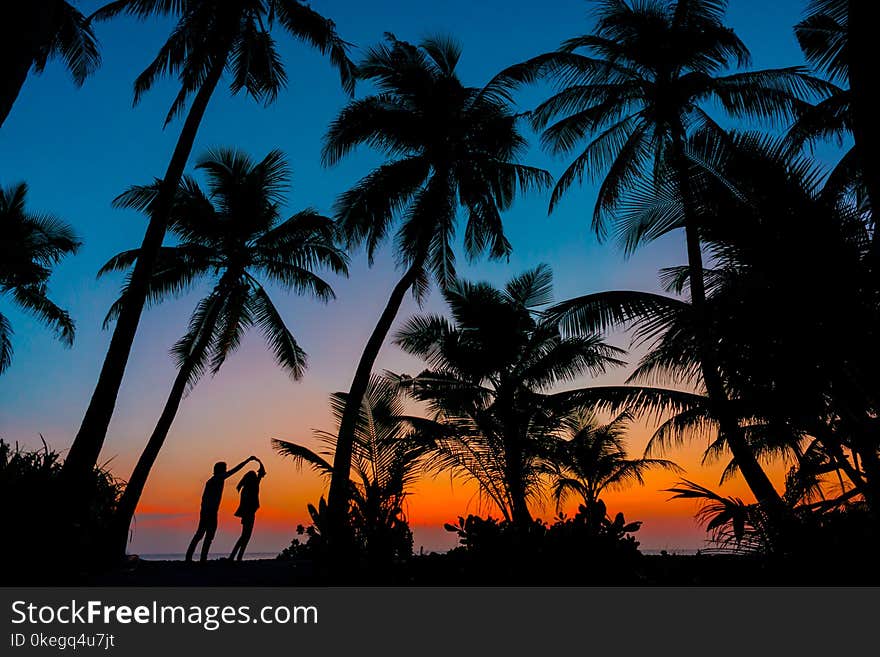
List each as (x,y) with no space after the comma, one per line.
(25,27)
(871,465)
(520,513)
(12,80)
(862,83)
(754,475)
(514,461)
(866,448)
(89,440)
(338,495)
(135,486)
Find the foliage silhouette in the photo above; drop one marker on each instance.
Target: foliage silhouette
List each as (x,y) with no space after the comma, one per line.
(386,464)
(31,485)
(836,37)
(763,343)
(35,31)
(592,458)
(233,236)
(450,148)
(32,245)
(490,369)
(588,548)
(208,39)
(638,91)
(792,378)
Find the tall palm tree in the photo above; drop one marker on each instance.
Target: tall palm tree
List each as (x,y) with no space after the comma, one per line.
(232,235)
(808,371)
(633,89)
(31,245)
(490,370)
(210,37)
(837,37)
(386,464)
(592,458)
(34,31)
(790,336)
(450,147)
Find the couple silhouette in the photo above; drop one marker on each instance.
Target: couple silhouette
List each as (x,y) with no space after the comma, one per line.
(249,501)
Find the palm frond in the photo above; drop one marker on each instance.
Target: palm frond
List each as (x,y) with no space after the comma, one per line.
(5,343)
(301,455)
(287,352)
(532,288)
(33,299)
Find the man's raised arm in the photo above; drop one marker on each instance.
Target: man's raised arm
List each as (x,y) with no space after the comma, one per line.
(231,472)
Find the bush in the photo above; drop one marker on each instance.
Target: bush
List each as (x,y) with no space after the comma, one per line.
(589,547)
(43,546)
(372,547)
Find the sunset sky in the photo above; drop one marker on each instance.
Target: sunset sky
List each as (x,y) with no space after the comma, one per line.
(78,148)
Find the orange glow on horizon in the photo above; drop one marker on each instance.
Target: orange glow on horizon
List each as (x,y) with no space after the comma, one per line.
(171,501)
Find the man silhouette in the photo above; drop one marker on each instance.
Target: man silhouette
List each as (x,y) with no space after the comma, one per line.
(211,497)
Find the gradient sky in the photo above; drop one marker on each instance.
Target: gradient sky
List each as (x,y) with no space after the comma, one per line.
(78,148)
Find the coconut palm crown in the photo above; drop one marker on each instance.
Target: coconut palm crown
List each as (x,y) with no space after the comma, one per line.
(32,245)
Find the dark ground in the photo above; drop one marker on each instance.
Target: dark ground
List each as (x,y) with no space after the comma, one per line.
(439,570)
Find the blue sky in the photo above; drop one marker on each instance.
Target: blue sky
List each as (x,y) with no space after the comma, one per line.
(78,148)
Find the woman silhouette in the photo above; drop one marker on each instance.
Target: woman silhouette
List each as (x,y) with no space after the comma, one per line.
(249,502)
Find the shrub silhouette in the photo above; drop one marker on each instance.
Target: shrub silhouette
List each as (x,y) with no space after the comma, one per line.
(30,486)
(589,547)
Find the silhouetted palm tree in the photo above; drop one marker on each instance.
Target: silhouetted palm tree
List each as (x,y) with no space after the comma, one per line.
(34,31)
(794,374)
(733,524)
(592,458)
(736,525)
(31,245)
(385,462)
(807,372)
(491,369)
(636,94)
(231,235)
(209,38)
(451,147)
(837,37)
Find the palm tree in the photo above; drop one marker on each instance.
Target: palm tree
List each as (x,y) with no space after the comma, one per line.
(32,244)
(209,38)
(490,371)
(592,458)
(34,31)
(231,235)
(449,147)
(790,336)
(385,462)
(637,88)
(736,525)
(836,37)
(733,524)
(804,368)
